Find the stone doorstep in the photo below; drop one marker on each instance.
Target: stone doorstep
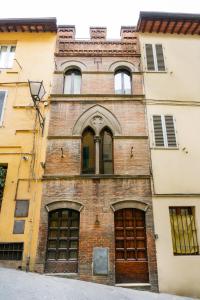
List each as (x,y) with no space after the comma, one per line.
(136,286)
(63,275)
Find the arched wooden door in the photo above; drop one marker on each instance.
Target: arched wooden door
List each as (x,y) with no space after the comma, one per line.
(63,241)
(131,265)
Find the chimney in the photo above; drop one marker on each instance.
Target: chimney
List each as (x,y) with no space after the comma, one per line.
(128,32)
(98,33)
(67,32)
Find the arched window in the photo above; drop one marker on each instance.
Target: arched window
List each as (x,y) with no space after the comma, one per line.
(122,82)
(106,152)
(88,151)
(72,82)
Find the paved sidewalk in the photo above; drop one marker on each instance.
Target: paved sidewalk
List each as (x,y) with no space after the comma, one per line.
(19,285)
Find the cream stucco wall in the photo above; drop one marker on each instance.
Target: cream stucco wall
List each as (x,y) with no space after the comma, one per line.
(176,172)
(182,56)
(21,136)
(177,274)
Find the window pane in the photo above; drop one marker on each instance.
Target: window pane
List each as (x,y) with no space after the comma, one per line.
(2,98)
(127,83)
(118,83)
(67,84)
(106,159)
(77,84)
(3,57)
(183,230)
(149,57)
(88,152)
(11,56)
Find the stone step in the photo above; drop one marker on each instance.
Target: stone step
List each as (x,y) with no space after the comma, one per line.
(135,286)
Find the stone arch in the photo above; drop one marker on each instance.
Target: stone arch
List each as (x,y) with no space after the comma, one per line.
(122,64)
(72,64)
(64,204)
(97,117)
(129,204)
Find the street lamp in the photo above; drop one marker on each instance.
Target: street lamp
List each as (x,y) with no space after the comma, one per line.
(37,92)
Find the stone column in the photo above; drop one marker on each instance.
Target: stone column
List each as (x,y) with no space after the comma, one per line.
(97,145)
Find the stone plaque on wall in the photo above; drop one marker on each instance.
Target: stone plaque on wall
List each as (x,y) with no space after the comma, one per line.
(100,261)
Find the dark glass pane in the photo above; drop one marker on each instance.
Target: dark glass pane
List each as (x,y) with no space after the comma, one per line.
(63,244)
(53,233)
(54,223)
(73,254)
(73,244)
(52,244)
(88,152)
(62,254)
(73,232)
(106,152)
(51,255)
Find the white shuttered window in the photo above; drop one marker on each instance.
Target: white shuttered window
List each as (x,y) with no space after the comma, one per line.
(155,57)
(164,131)
(7,54)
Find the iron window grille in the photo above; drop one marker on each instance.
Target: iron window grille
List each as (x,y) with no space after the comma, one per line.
(183,230)
(11,251)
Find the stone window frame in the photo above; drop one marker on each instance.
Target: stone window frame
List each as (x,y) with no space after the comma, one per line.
(72,72)
(97,118)
(123,71)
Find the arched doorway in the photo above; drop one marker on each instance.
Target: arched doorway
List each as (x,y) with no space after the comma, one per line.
(131,264)
(63,241)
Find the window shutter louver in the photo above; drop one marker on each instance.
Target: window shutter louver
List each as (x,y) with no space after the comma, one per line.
(149,57)
(160,57)
(170,130)
(158,131)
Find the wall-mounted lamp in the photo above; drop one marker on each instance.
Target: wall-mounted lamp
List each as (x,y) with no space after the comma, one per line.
(97,221)
(37,92)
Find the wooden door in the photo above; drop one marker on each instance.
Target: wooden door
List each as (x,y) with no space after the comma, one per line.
(63,240)
(131,265)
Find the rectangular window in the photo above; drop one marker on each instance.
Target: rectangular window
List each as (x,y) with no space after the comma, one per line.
(155,57)
(21,208)
(11,251)
(3,171)
(2,105)
(164,131)
(183,230)
(7,54)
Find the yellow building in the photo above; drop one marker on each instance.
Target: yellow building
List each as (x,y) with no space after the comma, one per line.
(26,53)
(170,46)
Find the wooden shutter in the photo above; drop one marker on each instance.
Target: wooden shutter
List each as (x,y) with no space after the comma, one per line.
(160,57)
(158,131)
(149,57)
(170,131)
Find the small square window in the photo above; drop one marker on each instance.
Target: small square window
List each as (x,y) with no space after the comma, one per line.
(19,226)
(21,208)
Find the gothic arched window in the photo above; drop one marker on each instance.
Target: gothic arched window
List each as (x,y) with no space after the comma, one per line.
(122,82)
(88,151)
(106,151)
(72,82)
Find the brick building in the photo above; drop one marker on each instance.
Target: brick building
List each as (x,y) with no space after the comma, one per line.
(96,213)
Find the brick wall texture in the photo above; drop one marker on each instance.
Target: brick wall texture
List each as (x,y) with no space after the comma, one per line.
(63,182)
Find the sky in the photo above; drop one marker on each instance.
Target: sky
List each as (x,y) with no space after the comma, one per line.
(85,13)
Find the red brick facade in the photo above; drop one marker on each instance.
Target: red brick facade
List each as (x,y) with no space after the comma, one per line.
(64,185)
